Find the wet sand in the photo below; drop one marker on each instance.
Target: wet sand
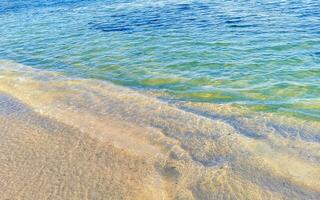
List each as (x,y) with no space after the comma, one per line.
(44,159)
(64,138)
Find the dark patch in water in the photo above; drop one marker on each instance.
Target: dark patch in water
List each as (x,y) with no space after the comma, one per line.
(183,7)
(232,21)
(150,18)
(242,25)
(317,54)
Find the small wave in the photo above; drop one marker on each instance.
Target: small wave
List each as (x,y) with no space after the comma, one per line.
(190,150)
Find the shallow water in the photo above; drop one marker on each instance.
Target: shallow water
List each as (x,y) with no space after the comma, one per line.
(159,100)
(74,138)
(260,54)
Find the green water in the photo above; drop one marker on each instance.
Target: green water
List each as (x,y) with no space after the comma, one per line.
(264,55)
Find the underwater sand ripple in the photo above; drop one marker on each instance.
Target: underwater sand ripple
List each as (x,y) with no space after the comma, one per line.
(72,138)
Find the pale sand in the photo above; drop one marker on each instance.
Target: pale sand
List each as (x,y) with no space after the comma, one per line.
(44,159)
(66,138)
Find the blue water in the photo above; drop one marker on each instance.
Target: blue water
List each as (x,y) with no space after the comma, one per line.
(264,55)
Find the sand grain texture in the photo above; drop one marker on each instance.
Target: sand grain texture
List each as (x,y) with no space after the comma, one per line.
(64,138)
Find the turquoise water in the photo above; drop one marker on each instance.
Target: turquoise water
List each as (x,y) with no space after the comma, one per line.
(264,55)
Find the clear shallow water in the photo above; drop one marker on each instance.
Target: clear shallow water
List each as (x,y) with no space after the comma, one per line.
(66,136)
(69,138)
(262,54)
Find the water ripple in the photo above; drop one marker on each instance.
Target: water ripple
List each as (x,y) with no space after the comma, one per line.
(193,50)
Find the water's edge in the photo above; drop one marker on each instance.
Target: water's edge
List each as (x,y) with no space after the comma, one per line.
(187,150)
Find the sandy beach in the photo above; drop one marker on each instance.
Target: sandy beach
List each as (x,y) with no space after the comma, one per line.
(65,138)
(159,100)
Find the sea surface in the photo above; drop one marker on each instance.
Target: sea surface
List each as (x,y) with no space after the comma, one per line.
(186,100)
(264,55)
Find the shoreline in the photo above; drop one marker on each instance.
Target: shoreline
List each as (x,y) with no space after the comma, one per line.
(45,159)
(84,138)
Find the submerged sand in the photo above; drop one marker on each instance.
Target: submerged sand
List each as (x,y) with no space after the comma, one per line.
(67,138)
